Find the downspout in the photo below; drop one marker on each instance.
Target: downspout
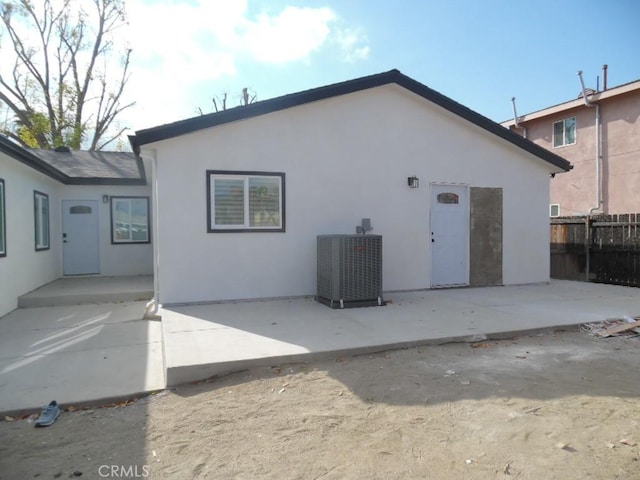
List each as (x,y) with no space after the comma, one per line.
(151,311)
(516,123)
(588,103)
(599,201)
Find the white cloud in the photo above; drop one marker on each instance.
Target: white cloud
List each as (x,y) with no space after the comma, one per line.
(179,45)
(353,44)
(291,35)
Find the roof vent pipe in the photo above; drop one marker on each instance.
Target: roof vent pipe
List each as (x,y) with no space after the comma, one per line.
(516,122)
(515,114)
(584,90)
(604,77)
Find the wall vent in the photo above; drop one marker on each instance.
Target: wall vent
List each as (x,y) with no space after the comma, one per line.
(349,270)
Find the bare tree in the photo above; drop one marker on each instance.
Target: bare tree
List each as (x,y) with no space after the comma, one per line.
(220,102)
(64,88)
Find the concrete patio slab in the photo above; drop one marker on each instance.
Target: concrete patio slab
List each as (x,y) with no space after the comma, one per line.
(201,341)
(78,354)
(83,290)
(82,354)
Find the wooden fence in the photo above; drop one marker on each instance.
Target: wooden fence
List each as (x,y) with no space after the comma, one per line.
(599,248)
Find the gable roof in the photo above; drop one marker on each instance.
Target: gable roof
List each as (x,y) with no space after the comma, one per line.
(183,127)
(77,167)
(596,96)
(83,165)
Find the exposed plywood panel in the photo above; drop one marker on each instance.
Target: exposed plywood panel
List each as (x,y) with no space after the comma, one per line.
(486,237)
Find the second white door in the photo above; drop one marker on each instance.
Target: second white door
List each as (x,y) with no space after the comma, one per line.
(449,235)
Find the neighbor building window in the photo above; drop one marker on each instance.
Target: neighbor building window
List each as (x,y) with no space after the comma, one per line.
(554,210)
(41,214)
(3,222)
(245,201)
(130,220)
(564,132)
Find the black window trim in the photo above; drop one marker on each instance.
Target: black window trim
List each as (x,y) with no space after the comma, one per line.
(247,173)
(128,197)
(3,212)
(36,215)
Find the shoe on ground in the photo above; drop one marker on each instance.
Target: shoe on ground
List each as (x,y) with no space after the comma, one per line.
(48,415)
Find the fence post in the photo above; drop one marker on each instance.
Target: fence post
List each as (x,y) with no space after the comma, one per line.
(587,246)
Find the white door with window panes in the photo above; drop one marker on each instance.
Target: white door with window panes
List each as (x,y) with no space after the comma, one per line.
(449,235)
(80,239)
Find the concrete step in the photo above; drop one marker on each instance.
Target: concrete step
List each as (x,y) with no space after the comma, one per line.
(88,290)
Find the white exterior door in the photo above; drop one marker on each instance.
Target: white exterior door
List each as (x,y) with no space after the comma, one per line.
(449,235)
(81,254)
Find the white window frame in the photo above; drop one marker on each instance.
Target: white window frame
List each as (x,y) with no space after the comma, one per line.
(557,207)
(3,221)
(564,132)
(126,241)
(212,175)
(41,223)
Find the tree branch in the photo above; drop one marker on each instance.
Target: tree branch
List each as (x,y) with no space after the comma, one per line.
(54,77)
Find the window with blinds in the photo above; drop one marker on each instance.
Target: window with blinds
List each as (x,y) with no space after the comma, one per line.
(245,201)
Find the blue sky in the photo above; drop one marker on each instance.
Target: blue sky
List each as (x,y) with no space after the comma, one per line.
(480,53)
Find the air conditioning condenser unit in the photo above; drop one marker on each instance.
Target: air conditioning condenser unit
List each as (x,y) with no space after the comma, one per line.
(349,270)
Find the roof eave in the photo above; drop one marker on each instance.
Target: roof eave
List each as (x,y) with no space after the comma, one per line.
(484,122)
(576,103)
(105,181)
(183,127)
(194,124)
(22,155)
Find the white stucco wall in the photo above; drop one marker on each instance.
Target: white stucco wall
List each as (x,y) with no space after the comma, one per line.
(115,259)
(24,269)
(345,158)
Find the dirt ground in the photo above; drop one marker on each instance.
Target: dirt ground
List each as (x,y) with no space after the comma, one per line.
(557,406)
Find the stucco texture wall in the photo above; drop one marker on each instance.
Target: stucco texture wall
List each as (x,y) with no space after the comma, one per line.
(621,154)
(115,259)
(345,158)
(23,268)
(576,191)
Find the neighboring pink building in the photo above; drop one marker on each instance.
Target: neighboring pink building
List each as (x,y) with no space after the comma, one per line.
(606,127)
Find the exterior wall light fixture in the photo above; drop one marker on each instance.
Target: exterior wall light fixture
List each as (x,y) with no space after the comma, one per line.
(105,198)
(413,182)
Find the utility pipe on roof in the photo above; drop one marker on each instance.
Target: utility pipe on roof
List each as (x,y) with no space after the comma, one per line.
(588,103)
(516,123)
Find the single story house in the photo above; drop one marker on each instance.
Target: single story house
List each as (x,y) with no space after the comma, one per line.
(241,195)
(70,213)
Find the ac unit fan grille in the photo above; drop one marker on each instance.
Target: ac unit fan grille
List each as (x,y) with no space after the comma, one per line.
(350,268)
